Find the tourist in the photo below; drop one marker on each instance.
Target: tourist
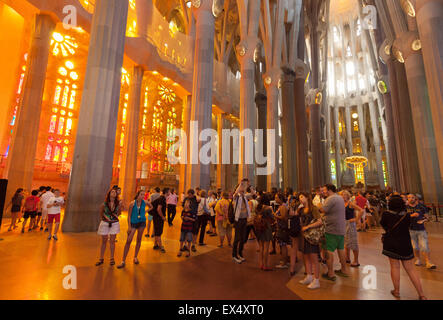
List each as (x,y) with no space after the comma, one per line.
(203,214)
(318,197)
(54,206)
(109,225)
(188,219)
(263,222)
(397,244)
(252,202)
(309,219)
(282,216)
(30,207)
(353,213)
(44,205)
(194,208)
(171,203)
(363,203)
(419,236)
(155,194)
(41,191)
(159,214)
(294,227)
(241,213)
(335,218)
(119,195)
(212,202)
(136,223)
(223,225)
(16,207)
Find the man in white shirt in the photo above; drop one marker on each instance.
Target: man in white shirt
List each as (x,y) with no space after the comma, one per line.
(54,206)
(44,203)
(242,213)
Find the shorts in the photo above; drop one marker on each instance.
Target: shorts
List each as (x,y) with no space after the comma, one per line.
(39,213)
(54,218)
(158,226)
(30,214)
(141,224)
(186,236)
(195,228)
(419,240)
(44,213)
(104,229)
(351,239)
(150,217)
(334,242)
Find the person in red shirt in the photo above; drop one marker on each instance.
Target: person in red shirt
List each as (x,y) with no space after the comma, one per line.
(31,205)
(362,202)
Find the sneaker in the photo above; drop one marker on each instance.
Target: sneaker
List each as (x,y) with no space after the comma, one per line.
(50,237)
(241,258)
(431,266)
(237,260)
(54,237)
(193,249)
(418,262)
(282,266)
(315,284)
(307,280)
(156,247)
(179,254)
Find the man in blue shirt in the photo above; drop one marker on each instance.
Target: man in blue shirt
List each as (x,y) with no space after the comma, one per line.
(419,236)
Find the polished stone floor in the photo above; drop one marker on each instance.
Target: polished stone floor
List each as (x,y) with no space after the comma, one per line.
(31,267)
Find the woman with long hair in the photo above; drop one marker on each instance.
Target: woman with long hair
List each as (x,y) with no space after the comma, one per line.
(397,244)
(282,215)
(294,231)
(263,227)
(309,218)
(136,223)
(16,204)
(353,214)
(109,226)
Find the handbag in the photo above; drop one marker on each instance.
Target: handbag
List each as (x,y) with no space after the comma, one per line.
(315,235)
(383,236)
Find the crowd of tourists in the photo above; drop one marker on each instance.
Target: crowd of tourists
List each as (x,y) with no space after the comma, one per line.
(307,225)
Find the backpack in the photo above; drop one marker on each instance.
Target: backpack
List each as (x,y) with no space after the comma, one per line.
(30,204)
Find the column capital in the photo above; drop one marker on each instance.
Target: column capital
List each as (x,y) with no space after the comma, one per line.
(301,69)
(406,44)
(246,49)
(199,6)
(272,78)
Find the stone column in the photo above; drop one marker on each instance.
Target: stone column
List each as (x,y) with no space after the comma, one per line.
(221,168)
(144,16)
(198,174)
(431,180)
(376,136)
(261,104)
(316,158)
(430,26)
(128,171)
(337,146)
(301,127)
(94,148)
(289,142)
(362,132)
(183,184)
(20,164)
(271,80)
(348,124)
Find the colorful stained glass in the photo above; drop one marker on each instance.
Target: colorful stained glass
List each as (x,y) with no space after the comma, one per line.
(57,152)
(68,127)
(122,139)
(65,96)
(61,125)
(58,91)
(52,123)
(72,99)
(65,153)
(48,152)
(124,116)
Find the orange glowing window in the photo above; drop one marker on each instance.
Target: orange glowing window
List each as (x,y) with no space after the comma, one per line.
(57,152)
(20,85)
(122,139)
(124,116)
(48,152)
(72,99)
(65,96)
(52,123)
(65,153)
(61,125)
(68,127)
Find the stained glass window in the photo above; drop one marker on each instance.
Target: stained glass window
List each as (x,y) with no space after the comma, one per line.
(52,124)
(65,153)
(48,152)
(56,154)
(61,124)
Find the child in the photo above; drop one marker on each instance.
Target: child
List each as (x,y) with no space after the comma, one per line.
(31,205)
(188,218)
